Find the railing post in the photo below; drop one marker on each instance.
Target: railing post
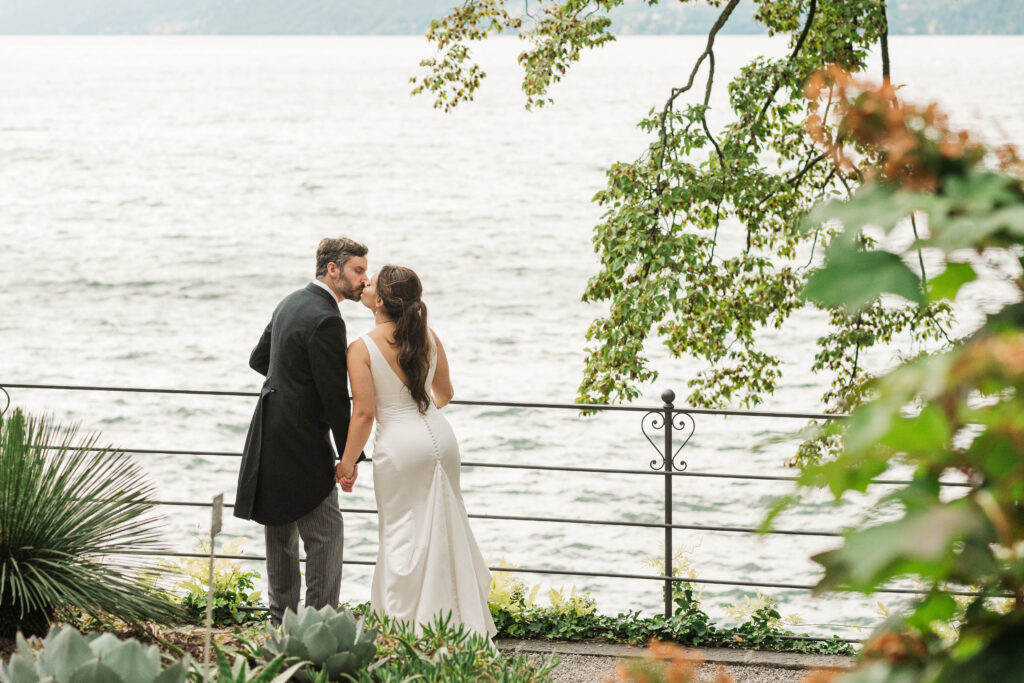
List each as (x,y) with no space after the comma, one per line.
(668,396)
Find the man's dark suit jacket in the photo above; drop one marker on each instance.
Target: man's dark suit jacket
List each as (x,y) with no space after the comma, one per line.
(288,464)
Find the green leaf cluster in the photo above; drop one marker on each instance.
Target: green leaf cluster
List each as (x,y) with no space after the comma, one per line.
(228,596)
(688,625)
(233,588)
(441,651)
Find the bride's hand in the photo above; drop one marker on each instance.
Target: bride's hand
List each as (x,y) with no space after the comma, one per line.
(345,474)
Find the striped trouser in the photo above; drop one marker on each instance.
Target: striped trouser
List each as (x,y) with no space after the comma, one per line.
(322,531)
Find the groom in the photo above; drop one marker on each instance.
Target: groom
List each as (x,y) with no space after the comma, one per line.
(286,481)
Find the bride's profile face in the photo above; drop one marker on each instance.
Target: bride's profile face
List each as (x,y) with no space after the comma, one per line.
(369,295)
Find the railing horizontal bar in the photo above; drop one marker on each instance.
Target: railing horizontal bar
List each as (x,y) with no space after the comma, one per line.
(164,451)
(198,504)
(568,520)
(134,390)
(497,404)
(140,451)
(765,477)
(648,409)
(557,468)
(654,525)
(570,572)
(851,641)
(567,468)
(680,473)
(510,570)
(560,406)
(253,558)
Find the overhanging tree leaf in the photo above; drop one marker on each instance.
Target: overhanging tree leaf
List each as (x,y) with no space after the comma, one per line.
(852,278)
(948,283)
(921,543)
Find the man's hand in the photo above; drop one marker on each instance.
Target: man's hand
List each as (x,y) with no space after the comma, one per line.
(346,475)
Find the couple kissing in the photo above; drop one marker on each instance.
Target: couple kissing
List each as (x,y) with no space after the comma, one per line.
(428,561)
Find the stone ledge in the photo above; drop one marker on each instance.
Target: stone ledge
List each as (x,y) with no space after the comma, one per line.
(726,656)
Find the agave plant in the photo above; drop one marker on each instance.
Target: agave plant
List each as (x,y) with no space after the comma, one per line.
(330,640)
(69,510)
(67,655)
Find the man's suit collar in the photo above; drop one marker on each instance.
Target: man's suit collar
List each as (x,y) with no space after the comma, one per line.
(320,291)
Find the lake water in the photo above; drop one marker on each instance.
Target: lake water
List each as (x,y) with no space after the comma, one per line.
(159,195)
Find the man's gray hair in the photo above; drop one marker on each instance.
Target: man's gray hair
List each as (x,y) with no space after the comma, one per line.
(336,250)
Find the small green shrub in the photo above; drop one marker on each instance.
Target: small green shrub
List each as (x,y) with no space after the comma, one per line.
(233,588)
(442,652)
(688,625)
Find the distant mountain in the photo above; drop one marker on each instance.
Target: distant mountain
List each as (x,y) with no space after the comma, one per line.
(411,17)
(905,17)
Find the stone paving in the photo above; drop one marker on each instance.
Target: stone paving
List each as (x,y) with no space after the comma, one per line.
(595,662)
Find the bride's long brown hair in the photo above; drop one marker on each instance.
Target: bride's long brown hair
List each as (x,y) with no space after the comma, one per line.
(400,290)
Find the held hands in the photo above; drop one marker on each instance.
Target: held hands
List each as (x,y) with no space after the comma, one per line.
(345,474)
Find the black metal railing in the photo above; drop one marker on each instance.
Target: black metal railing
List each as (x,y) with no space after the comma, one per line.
(666,427)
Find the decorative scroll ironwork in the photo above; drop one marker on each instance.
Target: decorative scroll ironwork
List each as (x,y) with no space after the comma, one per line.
(685,424)
(681,422)
(7,403)
(656,421)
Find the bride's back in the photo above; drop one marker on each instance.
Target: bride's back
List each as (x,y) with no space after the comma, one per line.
(422,375)
(390,383)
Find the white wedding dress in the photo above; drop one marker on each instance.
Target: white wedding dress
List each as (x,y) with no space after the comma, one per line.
(428,562)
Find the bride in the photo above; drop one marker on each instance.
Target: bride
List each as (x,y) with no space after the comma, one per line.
(428,562)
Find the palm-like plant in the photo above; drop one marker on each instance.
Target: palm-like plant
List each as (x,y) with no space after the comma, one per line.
(69,509)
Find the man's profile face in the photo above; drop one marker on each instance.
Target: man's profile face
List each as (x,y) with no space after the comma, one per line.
(353,278)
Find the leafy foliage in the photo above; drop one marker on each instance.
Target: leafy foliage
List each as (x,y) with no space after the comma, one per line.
(699,245)
(576,618)
(232,587)
(443,652)
(955,413)
(226,602)
(241,672)
(69,511)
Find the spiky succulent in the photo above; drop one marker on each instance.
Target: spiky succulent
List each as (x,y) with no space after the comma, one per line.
(67,656)
(331,640)
(73,517)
